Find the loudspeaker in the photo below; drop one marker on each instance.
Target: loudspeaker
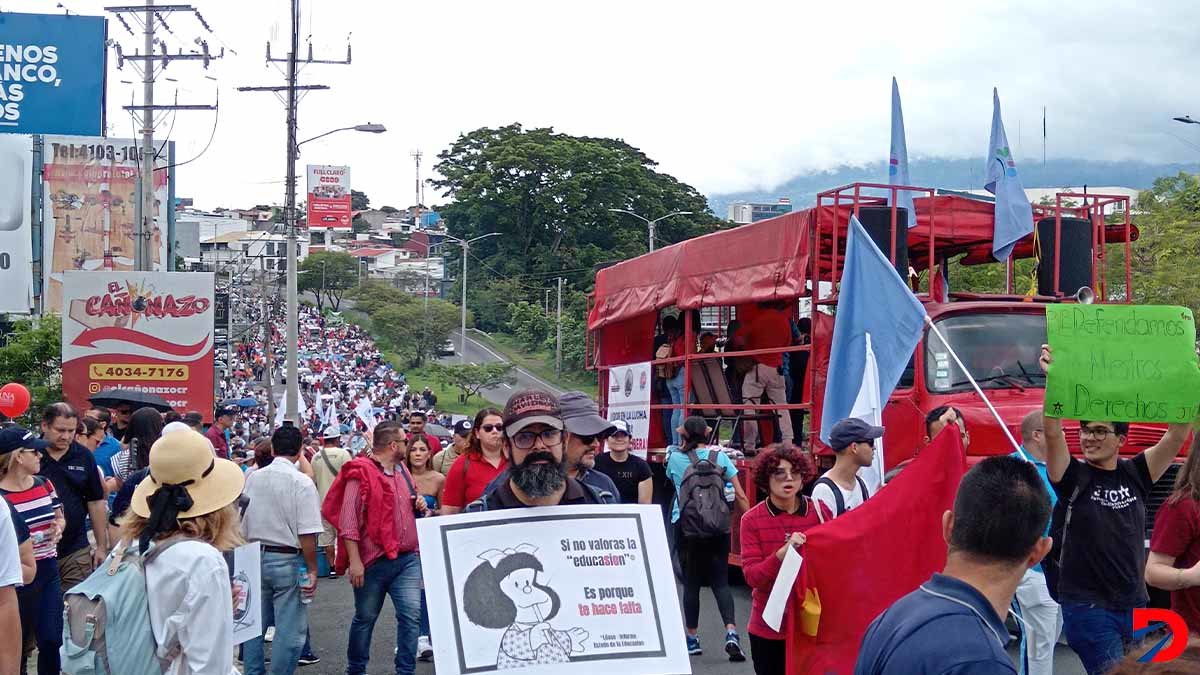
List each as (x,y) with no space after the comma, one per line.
(1074,261)
(877,221)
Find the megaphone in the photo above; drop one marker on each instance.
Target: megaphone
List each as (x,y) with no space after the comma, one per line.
(1085,296)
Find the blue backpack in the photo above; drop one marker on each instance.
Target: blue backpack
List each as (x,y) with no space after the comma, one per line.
(106,618)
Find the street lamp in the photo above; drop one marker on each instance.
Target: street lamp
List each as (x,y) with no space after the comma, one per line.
(291,409)
(651,223)
(466,248)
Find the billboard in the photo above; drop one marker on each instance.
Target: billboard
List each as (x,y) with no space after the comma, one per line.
(91,188)
(150,331)
(329,197)
(52,71)
(16,201)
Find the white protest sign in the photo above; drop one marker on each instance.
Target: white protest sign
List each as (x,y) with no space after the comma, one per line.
(553,590)
(629,400)
(247,588)
(782,590)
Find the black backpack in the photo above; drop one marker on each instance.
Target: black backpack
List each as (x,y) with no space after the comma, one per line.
(703,511)
(837,492)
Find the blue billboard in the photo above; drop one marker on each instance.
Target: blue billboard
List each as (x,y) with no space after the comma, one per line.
(52,70)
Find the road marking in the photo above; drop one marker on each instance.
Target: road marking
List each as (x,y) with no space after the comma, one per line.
(553,389)
(506,386)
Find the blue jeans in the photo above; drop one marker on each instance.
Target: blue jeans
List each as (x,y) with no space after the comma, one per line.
(41,609)
(423,629)
(401,579)
(675,387)
(1098,635)
(281,599)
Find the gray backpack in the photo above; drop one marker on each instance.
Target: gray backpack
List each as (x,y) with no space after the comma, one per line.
(703,511)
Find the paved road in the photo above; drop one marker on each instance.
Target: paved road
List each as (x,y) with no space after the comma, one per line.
(333,608)
(477,352)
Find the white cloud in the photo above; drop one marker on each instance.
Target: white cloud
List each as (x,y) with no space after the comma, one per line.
(725,96)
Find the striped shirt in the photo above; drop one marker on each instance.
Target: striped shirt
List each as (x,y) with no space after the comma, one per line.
(37,506)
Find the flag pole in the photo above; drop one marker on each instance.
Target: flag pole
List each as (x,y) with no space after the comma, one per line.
(932,326)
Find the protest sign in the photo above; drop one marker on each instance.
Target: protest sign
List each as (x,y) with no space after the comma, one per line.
(629,400)
(247,589)
(1122,363)
(561,589)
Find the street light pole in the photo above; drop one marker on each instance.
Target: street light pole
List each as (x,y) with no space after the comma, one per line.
(651,223)
(466,249)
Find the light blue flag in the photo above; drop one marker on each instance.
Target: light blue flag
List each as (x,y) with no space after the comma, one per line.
(898,158)
(1014,214)
(876,314)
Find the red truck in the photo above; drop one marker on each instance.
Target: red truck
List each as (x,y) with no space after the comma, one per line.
(1083,253)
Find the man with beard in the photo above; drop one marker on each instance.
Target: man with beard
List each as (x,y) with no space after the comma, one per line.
(535,450)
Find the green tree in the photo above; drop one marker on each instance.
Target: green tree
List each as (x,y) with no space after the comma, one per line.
(328,275)
(415,331)
(471,379)
(489,300)
(360,225)
(374,295)
(359,201)
(529,324)
(32,356)
(1167,253)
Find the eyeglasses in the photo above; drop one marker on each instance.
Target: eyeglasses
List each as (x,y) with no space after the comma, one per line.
(1098,433)
(784,474)
(526,439)
(491,427)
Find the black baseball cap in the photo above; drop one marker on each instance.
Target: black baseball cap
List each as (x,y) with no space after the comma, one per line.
(15,438)
(462,428)
(231,410)
(852,430)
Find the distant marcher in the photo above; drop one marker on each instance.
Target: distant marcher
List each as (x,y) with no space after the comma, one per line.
(72,470)
(459,442)
(326,464)
(416,427)
(630,473)
(954,623)
(841,488)
(429,486)
(484,459)
(218,434)
(936,420)
(145,427)
(769,328)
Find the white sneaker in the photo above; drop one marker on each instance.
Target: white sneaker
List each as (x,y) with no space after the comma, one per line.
(424,648)
(270,634)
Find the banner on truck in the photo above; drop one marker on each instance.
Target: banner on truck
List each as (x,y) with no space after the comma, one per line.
(553,590)
(150,331)
(328,204)
(52,71)
(629,400)
(1122,363)
(91,188)
(16,202)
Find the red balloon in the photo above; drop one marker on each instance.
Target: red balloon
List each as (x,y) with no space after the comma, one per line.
(14,399)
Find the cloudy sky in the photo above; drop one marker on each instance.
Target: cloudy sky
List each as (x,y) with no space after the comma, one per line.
(725,95)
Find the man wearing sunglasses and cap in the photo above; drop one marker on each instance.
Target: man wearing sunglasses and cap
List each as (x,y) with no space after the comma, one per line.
(534,446)
(841,488)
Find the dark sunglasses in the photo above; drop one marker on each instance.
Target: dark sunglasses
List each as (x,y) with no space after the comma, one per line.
(526,439)
(491,427)
(588,440)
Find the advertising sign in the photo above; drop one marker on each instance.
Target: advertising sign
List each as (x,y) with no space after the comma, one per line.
(149,331)
(329,197)
(629,400)
(16,182)
(91,188)
(1122,363)
(52,70)
(553,590)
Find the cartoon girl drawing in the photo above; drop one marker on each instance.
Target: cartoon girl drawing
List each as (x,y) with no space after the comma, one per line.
(503,593)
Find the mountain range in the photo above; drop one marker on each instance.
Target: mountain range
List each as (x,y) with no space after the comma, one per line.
(958,174)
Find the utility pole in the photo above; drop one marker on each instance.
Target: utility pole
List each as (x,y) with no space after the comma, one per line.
(558,348)
(462,349)
(292,397)
(149,14)
(270,355)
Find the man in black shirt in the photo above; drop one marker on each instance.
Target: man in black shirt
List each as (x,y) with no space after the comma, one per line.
(1099,530)
(630,473)
(72,470)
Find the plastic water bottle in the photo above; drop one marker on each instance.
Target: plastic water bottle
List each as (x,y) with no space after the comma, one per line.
(730,494)
(303,575)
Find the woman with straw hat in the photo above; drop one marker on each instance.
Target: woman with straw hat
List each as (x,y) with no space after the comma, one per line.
(189,493)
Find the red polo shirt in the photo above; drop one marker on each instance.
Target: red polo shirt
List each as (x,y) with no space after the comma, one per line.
(467,478)
(763,530)
(769,329)
(1177,535)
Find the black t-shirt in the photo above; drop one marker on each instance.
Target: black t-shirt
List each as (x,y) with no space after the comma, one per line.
(627,475)
(77,481)
(1104,551)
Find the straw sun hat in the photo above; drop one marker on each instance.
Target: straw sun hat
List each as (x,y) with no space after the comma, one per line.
(186,480)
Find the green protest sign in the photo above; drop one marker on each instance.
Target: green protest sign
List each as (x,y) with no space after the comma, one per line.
(1122,363)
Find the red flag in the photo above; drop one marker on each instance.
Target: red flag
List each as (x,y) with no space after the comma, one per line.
(870,557)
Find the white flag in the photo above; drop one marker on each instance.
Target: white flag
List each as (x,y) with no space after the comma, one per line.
(868,408)
(898,158)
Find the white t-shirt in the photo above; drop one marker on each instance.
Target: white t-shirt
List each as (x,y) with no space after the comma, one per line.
(853,498)
(191,606)
(10,554)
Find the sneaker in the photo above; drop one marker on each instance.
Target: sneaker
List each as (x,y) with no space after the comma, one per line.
(693,646)
(308,659)
(733,647)
(424,648)
(270,634)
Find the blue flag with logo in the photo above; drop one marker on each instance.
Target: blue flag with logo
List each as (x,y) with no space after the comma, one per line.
(877,315)
(898,158)
(1014,214)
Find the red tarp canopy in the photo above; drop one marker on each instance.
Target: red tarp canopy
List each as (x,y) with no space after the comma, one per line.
(762,261)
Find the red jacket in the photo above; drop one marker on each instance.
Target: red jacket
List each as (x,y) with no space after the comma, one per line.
(378,498)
